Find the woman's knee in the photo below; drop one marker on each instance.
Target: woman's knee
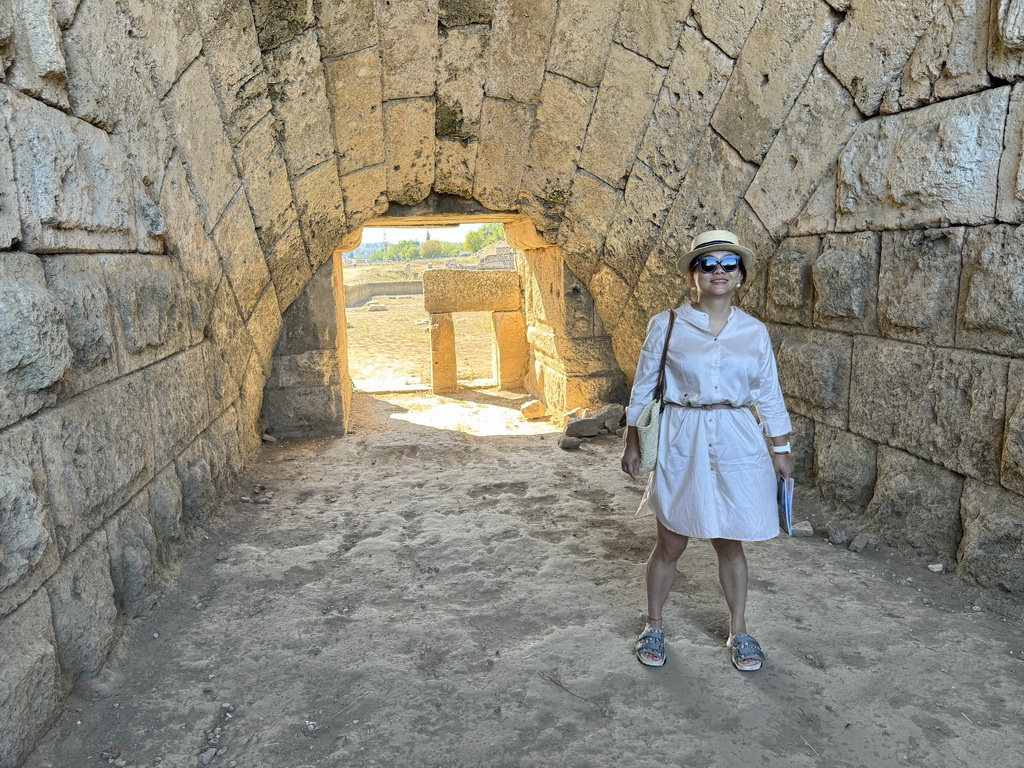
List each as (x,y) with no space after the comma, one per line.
(728,548)
(670,546)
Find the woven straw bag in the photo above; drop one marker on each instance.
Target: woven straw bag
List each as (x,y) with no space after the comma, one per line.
(648,425)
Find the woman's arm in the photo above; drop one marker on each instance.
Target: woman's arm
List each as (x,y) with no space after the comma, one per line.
(647,367)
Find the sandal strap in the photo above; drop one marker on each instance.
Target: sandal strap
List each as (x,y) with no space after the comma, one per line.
(745,647)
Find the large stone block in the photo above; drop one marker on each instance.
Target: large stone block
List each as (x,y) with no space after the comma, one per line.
(916,504)
(80,283)
(992,547)
(918,273)
(1006,35)
(298,89)
(846,283)
(38,67)
(36,351)
(241,256)
(814,370)
(315,368)
(587,215)
(409,149)
(636,223)
(288,265)
(202,144)
(874,43)
(180,413)
(582,39)
(624,102)
(25,524)
(562,117)
(98,450)
(236,65)
(165,510)
(505,133)
(151,310)
(932,166)
(454,166)
(470,290)
(353,88)
(802,440)
(169,35)
(264,326)
(990,316)
(366,194)
(278,21)
(312,321)
(1012,474)
(346,26)
(74,189)
(132,548)
(6,35)
(510,354)
(198,490)
(819,215)
(790,287)
(31,691)
(728,29)
(304,411)
(521,33)
(265,177)
(84,612)
(461,73)
(443,366)
(554,297)
(652,27)
(948,61)
(943,405)
(693,85)
(1010,196)
(778,57)
(752,233)
(321,212)
(844,467)
(454,13)
(408,48)
(804,152)
(10,224)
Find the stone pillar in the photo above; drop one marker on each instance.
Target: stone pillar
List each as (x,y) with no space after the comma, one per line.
(442,353)
(509,345)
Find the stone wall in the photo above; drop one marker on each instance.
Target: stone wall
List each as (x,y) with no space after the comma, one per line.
(360,294)
(172,175)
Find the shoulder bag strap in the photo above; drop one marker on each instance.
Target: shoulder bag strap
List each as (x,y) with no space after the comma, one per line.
(659,390)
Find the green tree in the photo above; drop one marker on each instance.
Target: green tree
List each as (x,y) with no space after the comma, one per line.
(481,238)
(438,249)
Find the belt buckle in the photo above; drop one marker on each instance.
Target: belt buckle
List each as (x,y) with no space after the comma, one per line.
(708,407)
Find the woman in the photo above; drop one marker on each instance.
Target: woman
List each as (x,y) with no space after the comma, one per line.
(715,478)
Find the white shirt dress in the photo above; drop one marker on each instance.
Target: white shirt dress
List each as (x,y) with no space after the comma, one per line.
(714,478)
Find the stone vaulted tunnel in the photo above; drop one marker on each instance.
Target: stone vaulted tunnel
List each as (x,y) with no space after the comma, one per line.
(173,175)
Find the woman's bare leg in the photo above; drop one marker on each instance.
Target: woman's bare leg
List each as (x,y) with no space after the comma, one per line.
(732,572)
(661,571)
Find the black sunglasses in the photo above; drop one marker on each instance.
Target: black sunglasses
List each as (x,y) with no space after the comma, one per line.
(709,264)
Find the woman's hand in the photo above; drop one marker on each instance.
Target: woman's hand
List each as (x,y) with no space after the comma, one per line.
(783,463)
(631,453)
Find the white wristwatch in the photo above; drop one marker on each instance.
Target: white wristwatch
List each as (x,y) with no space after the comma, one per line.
(782,448)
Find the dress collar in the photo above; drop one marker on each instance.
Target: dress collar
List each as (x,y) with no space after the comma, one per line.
(698,318)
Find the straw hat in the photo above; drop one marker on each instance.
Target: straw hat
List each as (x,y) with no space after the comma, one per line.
(717,240)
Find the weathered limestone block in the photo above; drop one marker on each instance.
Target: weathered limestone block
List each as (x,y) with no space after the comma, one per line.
(804,152)
(235,238)
(298,90)
(636,223)
(198,491)
(195,120)
(346,26)
(151,311)
(38,67)
(846,283)
(454,13)
(353,88)
(443,367)
(992,547)
(950,59)
(224,433)
(304,410)
(844,467)
(288,265)
(10,224)
(689,96)
(814,370)
(521,34)
(991,312)
(929,167)
(819,215)
(84,612)
(470,290)
(790,288)
(409,149)
(587,215)
(778,57)
(36,350)
(408,48)
(711,191)
(1005,40)
(169,34)
(562,117)
(752,233)
(31,692)
(366,194)
(554,297)
(916,504)
(132,548)
(505,132)
(1012,472)
(918,273)
(236,65)
(454,166)
(73,186)
(6,36)
(651,28)
(165,509)
(312,321)
(874,43)
(321,211)
(1010,198)
(264,328)
(802,441)
(943,405)
(461,73)
(278,21)
(582,39)
(180,413)
(265,177)
(314,368)
(80,283)
(611,294)
(624,101)
(25,525)
(727,28)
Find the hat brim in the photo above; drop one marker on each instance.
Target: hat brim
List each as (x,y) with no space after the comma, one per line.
(747,255)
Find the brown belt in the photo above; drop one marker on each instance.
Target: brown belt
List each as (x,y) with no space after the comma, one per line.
(707,407)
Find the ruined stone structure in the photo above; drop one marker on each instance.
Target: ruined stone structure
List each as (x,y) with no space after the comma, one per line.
(173,175)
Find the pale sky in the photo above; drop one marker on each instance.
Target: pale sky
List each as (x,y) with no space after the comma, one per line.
(397,234)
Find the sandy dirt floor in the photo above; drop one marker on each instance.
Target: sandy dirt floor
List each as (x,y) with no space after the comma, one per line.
(445,587)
